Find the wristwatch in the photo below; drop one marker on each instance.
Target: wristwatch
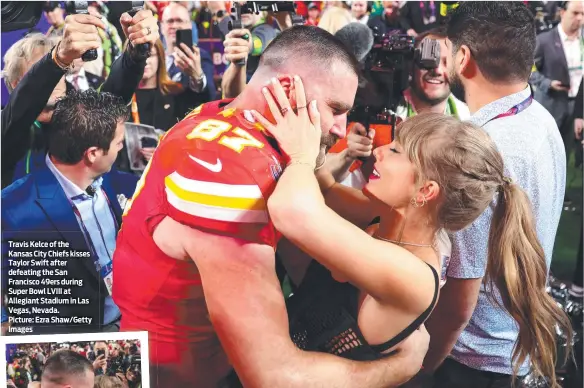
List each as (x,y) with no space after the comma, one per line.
(200,78)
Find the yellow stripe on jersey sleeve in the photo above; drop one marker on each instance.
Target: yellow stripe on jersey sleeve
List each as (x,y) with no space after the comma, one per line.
(217,201)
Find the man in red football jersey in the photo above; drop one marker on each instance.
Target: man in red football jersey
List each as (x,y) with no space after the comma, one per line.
(195,265)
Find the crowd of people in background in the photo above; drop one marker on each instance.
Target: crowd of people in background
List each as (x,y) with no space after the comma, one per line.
(115,364)
(177,79)
(66,169)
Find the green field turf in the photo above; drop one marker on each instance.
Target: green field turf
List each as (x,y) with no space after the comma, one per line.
(567,238)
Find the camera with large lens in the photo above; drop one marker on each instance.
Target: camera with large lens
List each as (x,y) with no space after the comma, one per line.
(387,70)
(268,6)
(273,6)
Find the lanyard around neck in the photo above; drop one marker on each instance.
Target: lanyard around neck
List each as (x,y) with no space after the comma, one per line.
(514,110)
(86,234)
(29,152)
(135,114)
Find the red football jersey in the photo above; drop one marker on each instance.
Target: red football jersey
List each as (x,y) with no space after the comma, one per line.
(213,171)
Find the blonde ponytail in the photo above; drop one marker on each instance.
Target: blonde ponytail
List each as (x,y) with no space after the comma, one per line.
(516,265)
(469,169)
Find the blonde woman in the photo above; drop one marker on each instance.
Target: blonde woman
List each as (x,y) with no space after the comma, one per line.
(334,18)
(381,282)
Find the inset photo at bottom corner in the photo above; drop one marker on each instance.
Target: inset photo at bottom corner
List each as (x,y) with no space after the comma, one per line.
(108,360)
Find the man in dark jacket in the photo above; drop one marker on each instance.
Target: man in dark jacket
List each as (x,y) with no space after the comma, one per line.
(67,211)
(35,89)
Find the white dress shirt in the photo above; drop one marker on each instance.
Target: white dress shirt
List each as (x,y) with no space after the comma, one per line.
(98,219)
(79,80)
(574,58)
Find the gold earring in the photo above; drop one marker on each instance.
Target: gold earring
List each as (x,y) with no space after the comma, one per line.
(416,204)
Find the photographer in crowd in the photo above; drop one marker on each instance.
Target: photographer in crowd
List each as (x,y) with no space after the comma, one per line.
(113,365)
(238,47)
(389,20)
(429,91)
(34,73)
(23,373)
(75,197)
(55,15)
(492,330)
(101,364)
(110,361)
(248,44)
(25,363)
(192,67)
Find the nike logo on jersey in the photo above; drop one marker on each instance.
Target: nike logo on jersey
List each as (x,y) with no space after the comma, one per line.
(211,167)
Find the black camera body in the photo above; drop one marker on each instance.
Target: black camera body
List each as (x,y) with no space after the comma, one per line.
(273,6)
(132,7)
(392,51)
(255,7)
(387,70)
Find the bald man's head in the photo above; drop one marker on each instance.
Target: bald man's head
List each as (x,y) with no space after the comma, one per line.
(175,17)
(67,369)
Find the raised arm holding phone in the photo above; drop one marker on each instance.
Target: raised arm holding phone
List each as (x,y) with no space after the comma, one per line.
(238,45)
(35,89)
(187,57)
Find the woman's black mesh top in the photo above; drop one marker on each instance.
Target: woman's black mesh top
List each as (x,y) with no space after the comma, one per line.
(323,317)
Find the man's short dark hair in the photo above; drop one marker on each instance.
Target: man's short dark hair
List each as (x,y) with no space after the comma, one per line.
(82,120)
(50,6)
(500,35)
(310,42)
(65,364)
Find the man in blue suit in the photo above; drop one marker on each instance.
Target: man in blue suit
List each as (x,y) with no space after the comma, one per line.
(73,199)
